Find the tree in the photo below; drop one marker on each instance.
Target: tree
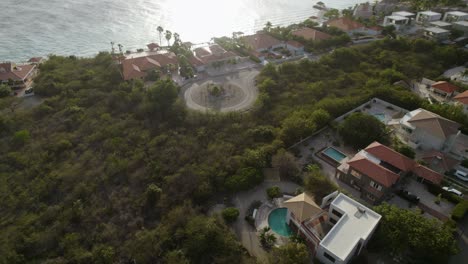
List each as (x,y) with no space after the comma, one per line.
(267,239)
(168,37)
(268,26)
(273,192)
(286,164)
(407,232)
(244,179)
(291,253)
(160,30)
(359,130)
(407,151)
(317,184)
(230,214)
(389,31)
(332,13)
(21,137)
(5,90)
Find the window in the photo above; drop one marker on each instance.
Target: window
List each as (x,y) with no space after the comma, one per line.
(356,174)
(332,259)
(376,185)
(335,212)
(332,220)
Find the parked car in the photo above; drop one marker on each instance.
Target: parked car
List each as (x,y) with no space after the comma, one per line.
(461,175)
(408,196)
(29,91)
(452,190)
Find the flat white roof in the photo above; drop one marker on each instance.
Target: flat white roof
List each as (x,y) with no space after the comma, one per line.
(402,13)
(457,13)
(398,18)
(436,30)
(429,13)
(462,23)
(440,23)
(356,224)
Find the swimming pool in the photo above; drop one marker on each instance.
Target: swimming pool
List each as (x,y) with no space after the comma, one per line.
(277,222)
(334,154)
(380,117)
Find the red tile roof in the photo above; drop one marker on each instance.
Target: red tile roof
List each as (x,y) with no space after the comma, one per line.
(390,156)
(261,41)
(135,68)
(345,24)
(445,87)
(428,174)
(311,34)
(35,59)
(374,171)
(152,46)
(462,98)
(207,55)
(15,73)
(436,159)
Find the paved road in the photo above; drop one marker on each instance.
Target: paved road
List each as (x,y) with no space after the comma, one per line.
(246,233)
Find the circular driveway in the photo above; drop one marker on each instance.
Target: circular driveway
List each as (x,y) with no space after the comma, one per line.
(242,97)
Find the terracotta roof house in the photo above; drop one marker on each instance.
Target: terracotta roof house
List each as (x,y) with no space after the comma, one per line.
(152,46)
(462,99)
(205,56)
(262,42)
(439,161)
(445,89)
(346,24)
(426,130)
(310,34)
(17,76)
(335,231)
(137,68)
(296,48)
(375,170)
(35,60)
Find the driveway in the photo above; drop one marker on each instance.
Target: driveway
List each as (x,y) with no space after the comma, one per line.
(246,233)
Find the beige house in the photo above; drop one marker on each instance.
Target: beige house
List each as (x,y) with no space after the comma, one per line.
(428,131)
(462,99)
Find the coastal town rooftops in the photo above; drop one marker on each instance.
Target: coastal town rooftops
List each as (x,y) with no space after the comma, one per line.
(294,44)
(136,67)
(430,122)
(303,206)
(209,54)
(462,98)
(362,163)
(390,156)
(403,14)
(15,72)
(429,13)
(456,13)
(436,30)
(310,34)
(345,24)
(356,224)
(463,23)
(261,41)
(440,23)
(445,86)
(428,174)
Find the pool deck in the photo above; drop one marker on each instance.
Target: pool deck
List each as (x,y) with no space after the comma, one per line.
(264,211)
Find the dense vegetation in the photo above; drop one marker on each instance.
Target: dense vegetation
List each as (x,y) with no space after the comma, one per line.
(105,171)
(409,235)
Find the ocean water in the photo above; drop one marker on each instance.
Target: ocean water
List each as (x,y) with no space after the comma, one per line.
(84,27)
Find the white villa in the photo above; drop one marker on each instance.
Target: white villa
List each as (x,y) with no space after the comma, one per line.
(436,33)
(428,131)
(455,16)
(399,19)
(427,16)
(462,26)
(337,230)
(440,24)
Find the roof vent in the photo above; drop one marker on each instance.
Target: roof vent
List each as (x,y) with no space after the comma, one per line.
(362,210)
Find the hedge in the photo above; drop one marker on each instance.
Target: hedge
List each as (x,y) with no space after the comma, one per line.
(436,190)
(460,211)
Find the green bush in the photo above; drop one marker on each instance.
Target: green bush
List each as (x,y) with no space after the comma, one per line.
(273,192)
(460,211)
(464,163)
(230,214)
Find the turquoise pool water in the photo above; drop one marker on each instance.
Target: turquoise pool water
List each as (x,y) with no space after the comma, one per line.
(277,222)
(380,117)
(334,154)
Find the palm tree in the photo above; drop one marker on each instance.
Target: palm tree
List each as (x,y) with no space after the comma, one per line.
(176,37)
(268,26)
(160,30)
(168,36)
